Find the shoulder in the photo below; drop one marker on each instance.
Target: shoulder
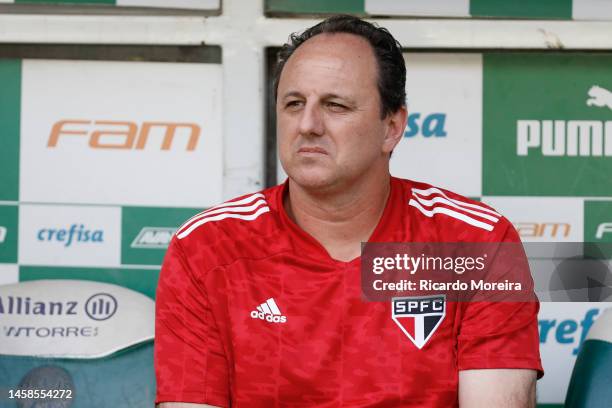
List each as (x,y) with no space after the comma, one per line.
(451,216)
(238,224)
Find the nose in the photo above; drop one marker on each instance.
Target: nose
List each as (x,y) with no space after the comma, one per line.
(311,120)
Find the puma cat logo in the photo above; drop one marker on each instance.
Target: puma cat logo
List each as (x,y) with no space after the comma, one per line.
(599,96)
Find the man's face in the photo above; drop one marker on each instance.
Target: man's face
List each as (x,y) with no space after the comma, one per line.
(329,126)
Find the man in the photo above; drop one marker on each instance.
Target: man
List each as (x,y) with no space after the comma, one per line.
(259,301)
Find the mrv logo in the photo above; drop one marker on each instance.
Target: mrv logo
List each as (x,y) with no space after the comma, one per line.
(76,233)
(584,138)
(419,317)
(153,238)
(567,331)
(106,134)
(430,125)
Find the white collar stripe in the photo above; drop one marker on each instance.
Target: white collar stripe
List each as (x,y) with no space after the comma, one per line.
(451,213)
(432,190)
(245,200)
(250,217)
(443,200)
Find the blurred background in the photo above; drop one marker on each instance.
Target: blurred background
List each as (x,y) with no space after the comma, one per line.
(119,119)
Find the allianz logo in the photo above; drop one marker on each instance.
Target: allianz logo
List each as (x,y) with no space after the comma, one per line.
(98,307)
(571,138)
(153,238)
(76,233)
(428,125)
(3,232)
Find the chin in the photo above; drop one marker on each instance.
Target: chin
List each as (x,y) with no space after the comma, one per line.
(312,178)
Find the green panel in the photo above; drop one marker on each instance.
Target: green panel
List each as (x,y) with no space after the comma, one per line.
(146,232)
(140,280)
(79,2)
(598,228)
(557,9)
(10,108)
(316,6)
(9,216)
(562,91)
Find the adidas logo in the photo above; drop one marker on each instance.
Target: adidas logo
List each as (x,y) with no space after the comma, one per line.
(269,312)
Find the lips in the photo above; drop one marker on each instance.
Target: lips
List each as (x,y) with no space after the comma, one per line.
(312,150)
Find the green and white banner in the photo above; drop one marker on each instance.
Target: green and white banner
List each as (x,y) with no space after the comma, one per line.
(100,129)
(100,161)
(563,328)
(444,98)
(547,124)
(520,9)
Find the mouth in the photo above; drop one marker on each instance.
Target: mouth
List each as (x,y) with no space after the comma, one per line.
(312,150)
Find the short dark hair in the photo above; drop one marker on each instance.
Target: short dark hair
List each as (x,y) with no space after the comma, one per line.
(388,52)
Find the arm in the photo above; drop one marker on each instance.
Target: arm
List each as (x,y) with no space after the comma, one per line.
(503,388)
(498,343)
(190,361)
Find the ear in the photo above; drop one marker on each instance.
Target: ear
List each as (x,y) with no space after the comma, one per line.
(395,126)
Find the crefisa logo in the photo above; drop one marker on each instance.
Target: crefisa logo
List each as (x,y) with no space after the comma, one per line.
(427,125)
(570,332)
(76,233)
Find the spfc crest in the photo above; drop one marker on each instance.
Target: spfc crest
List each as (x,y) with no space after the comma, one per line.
(419,317)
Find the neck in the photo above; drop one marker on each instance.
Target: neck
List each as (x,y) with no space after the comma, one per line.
(339,221)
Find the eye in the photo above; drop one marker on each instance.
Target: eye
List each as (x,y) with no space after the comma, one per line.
(294,104)
(336,107)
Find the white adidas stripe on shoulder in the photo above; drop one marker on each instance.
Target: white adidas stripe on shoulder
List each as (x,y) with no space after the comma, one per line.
(462,212)
(232,209)
(432,190)
(245,200)
(446,201)
(452,213)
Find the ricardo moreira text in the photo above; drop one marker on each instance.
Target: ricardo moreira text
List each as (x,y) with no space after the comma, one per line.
(413,264)
(425,263)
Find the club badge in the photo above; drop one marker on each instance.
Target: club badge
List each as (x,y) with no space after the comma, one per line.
(419,317)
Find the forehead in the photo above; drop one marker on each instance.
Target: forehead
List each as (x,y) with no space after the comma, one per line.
(337,56)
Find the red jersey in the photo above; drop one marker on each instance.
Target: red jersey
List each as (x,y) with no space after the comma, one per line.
(253,312)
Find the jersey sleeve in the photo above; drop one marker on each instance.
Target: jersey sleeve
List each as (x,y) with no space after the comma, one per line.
(190,361)
(500,334)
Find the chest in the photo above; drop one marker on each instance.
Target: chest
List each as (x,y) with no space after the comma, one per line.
(305,328)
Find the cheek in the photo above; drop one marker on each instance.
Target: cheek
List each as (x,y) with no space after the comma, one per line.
(362,140)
